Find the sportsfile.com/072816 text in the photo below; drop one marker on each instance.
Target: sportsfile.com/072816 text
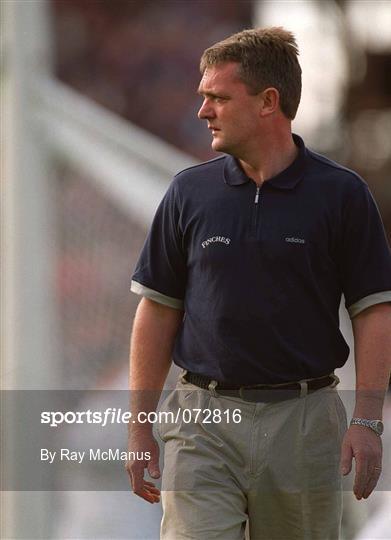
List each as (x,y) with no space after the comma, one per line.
(112,415)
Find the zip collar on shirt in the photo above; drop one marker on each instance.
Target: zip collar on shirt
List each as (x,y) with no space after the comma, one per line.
(286,179)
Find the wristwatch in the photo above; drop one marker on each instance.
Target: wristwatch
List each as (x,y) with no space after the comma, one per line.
(376,425)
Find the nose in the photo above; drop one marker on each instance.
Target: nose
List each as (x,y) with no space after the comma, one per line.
(206,111)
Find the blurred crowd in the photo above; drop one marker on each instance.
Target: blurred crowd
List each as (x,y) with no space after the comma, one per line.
(140,58)
(96,249)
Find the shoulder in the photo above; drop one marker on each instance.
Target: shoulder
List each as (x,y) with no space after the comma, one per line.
(206,170)
(196,182)
(324,169)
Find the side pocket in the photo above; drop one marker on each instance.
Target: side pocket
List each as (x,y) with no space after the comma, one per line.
(322,438)
(341,414)
(184,408)
(164,406)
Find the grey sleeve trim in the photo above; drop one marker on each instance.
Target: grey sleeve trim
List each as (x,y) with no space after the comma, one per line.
(155,295)
(368,301)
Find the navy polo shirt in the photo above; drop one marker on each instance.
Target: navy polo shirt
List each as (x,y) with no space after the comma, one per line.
(259,272)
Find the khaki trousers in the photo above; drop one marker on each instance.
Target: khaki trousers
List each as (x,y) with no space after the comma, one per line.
(278,467)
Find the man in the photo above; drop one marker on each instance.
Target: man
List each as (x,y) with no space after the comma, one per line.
(241,277)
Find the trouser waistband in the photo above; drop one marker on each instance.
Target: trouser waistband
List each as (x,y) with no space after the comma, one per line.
(263,392)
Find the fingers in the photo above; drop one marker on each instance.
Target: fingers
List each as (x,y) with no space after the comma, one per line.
(373,479)
(362,476)
(152,486)
(141,487)
(153,467)
(367,476)
(149,493)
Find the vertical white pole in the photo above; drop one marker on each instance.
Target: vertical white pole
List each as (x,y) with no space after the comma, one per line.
(29,359)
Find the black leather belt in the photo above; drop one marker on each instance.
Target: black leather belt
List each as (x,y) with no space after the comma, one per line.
(261,392)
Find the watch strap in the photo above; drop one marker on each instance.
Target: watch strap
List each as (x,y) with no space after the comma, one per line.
(375,425)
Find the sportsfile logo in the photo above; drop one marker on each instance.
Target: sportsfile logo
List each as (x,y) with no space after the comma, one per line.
(212,239)
(295,240)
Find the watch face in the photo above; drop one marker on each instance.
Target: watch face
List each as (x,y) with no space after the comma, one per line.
(379,427)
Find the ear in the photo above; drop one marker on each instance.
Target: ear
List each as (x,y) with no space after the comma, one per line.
(270,101)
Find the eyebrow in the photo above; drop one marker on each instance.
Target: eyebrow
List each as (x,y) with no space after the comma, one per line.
(211,94)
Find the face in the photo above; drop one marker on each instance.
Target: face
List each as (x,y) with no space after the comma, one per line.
(231,112)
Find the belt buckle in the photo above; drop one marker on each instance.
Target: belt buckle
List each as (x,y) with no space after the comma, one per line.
(241,389)
(267,394)
(251,390)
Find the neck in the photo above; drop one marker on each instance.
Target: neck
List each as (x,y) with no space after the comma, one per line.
(269,157)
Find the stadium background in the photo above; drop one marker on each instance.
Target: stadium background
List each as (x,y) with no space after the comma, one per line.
(92,76)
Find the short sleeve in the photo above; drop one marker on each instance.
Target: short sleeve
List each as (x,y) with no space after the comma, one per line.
(160,273)
(364,254)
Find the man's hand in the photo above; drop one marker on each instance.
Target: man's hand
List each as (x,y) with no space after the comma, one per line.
(144,441)
(362,444)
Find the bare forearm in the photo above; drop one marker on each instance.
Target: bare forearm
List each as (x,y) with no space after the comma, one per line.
(153,336)
(372,337)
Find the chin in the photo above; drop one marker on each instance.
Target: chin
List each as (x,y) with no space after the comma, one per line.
(218,146)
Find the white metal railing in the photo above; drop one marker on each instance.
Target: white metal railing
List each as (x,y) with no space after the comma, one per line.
(132,166)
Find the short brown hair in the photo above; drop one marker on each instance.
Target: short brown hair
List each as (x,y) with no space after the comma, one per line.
(266,57)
